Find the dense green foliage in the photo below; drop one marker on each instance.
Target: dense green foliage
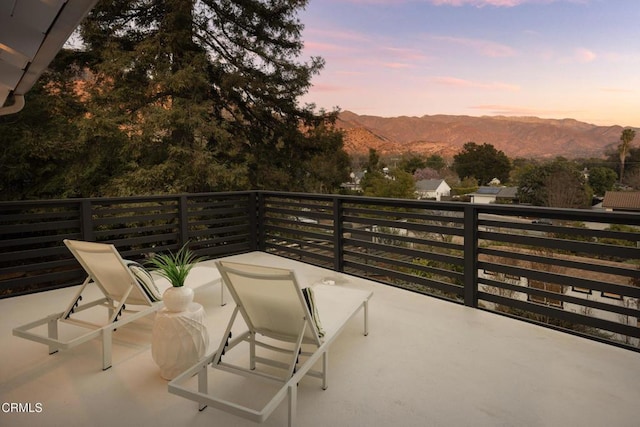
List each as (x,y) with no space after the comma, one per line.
(602,179)
(380,183)
(412,163)
(559,184)
(176,96)
(482,162)
(397,184)
(41,140)
(436,162)
(632,166)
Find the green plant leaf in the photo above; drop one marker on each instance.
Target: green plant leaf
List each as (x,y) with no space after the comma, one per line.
(175,267)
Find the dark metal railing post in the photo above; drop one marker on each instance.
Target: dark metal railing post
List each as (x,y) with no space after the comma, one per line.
(86,221)
(260,218)
(338,227)
(183,220)
(253,221)
(470,256)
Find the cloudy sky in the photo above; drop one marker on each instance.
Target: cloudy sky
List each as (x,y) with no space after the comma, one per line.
(547,58)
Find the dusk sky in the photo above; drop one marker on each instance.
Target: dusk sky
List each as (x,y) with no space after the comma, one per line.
(547,58)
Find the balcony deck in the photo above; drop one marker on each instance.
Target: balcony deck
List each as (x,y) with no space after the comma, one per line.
(425,362)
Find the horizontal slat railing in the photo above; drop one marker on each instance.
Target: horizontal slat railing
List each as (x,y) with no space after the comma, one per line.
(34,258)
(579,273)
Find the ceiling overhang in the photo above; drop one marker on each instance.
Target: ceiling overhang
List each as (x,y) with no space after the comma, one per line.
(32,32)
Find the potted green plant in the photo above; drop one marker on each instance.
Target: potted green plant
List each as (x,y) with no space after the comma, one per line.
(175,267)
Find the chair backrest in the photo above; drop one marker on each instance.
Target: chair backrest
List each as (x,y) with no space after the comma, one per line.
(107,269)
(270,300)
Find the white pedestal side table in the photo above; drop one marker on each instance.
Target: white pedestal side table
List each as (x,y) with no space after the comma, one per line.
(178,339)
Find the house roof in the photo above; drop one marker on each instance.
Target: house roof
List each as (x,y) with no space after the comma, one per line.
(32,32)
(622,200)
(508,193)
(488,191)
(498,192)
(429,184)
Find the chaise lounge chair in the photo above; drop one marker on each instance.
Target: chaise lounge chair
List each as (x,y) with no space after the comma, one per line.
(120,291)
(281,319)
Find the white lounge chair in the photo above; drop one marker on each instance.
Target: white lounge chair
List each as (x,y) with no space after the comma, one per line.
(120,291)
(279,316)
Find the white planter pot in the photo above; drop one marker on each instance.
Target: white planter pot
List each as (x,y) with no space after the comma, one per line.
(177,299)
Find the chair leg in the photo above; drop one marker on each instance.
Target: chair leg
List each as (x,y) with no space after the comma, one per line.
(292,394)
(252,351)
(203,384)
(52,327)
(325,368)
(222,303)
(106,348)
(366,318)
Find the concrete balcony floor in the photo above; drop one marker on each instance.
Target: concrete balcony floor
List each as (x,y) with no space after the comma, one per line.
(425,362)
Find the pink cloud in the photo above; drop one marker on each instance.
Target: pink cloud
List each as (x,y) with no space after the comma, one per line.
(405,54)
(484,47)
(508,110)
(616,90)
(458,3)
(453,81)
(391,2)
(494,3)
(584,55)
(337,34)
(462,83)
(323,87)
(324,47)
(396,65)
(349,73)
(478,3)
(578,55)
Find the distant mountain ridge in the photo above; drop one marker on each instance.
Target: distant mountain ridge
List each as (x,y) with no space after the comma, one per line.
(528,137)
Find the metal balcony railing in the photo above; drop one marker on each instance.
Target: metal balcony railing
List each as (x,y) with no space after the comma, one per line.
(572,270)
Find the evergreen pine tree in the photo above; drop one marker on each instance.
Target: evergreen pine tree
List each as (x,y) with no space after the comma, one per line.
(206,93)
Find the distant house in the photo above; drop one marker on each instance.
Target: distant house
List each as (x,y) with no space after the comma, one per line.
(507,195)
(621,201)
(432,189)
(494,195)
(354,181)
